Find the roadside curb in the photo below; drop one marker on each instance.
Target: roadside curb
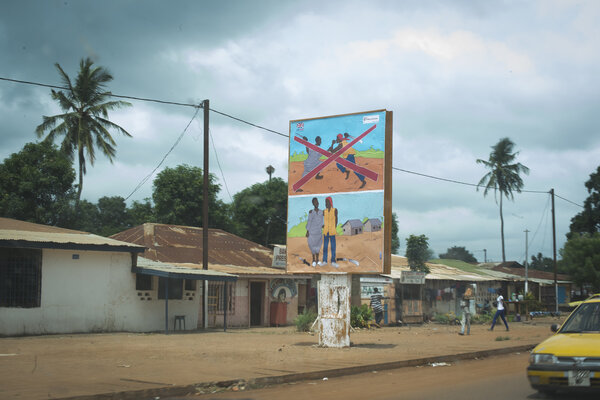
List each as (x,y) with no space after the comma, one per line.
(184,390)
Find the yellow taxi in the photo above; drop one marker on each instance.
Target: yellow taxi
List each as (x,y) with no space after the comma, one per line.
(570,359)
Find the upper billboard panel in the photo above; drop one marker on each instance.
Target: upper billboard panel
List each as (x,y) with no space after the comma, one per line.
(339,181)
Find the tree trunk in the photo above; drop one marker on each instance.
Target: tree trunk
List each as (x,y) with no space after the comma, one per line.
(80,187)
(502,230)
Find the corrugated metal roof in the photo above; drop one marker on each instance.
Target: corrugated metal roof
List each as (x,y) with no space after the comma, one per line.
(157,268)
(19,233)
(437,272)
(182,245)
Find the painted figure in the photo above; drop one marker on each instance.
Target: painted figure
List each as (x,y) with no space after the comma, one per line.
(314,231)
(337,144)
(330,221)
(465,305)
(377,307)
(501,311)
(313,159)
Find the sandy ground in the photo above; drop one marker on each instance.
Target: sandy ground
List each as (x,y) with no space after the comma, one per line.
(334,180)
(56,366)
(363,248)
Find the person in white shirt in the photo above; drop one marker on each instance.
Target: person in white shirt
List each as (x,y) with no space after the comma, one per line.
(501,311)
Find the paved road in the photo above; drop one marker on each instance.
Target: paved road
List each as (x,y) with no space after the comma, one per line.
(494,378)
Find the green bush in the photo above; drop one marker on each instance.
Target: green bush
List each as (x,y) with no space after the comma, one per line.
(360,316)
(481,318)
(445,319)
(305,320)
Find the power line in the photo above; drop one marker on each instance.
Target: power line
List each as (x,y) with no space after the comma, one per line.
(145,179)
(198,106)
(219,164)
(108,93)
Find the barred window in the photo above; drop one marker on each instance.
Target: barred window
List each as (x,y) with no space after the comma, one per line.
(215,297)
(190,285)
(20,277)
(143,282)
(175,288)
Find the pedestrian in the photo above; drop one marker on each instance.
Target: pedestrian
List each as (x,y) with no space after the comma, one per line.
(330,221)
(314,231)
(377,306)
(500,312)
(465,305)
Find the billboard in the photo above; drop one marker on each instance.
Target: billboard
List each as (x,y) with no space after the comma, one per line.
(339,194)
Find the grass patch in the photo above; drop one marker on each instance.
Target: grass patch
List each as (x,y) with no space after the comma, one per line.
(305,320)
(502,338)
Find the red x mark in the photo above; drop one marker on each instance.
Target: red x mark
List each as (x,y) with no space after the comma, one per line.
(335,157)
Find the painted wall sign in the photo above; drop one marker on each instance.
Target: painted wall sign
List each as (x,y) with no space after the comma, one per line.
(339,194)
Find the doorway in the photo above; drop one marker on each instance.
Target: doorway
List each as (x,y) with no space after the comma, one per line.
(257,293)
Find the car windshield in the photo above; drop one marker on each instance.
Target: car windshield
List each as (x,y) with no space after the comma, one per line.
(585,319)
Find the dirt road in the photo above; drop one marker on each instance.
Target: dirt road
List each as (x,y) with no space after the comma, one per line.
(58,366)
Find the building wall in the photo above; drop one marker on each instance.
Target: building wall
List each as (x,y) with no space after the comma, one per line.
(241,314)
(94,293)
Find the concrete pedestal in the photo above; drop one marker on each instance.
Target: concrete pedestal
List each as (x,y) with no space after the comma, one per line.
(334,310)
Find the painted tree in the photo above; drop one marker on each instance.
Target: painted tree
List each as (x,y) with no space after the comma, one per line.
(84,122)
(503,177)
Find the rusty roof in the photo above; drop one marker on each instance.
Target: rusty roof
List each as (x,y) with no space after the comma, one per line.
(182,245)
(15,233)
(531,273)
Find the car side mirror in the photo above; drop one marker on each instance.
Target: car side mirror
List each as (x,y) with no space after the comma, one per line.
(554,328)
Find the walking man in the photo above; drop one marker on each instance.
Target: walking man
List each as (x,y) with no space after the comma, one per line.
(501,311)
(377,306)
(465,305)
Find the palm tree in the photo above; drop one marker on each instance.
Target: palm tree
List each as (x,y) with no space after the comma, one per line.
(84,121)
(504,176)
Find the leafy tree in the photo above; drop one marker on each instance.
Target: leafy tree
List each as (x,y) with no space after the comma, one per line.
(395,238)
(178,196)
(541,263)
(581,256)
(417,252)
(459,253)
(36,185)
(113,215)
(260,212)
(84,122)
(588,221)
(504,176)
(141,212)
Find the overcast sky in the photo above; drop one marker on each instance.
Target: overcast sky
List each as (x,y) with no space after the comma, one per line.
(457,75)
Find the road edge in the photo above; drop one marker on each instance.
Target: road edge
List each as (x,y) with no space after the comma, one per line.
(184,390)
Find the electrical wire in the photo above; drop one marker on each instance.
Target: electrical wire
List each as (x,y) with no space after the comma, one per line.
(219,164)
(198,106)
(145,179)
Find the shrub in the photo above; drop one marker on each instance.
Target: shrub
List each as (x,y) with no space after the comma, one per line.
(305,320)
(446,319)
(360,316)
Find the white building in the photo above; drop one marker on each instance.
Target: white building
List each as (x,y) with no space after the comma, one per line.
(55,280)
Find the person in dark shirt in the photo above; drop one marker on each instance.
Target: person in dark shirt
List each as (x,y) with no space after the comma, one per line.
(377,307)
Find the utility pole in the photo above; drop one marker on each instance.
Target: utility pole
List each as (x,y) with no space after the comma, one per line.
(526,262)
(206,108)
(554,250)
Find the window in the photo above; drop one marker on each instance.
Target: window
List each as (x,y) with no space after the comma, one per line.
(175,288)
(215,297)
(190,285)
(20,277)
(143,282)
